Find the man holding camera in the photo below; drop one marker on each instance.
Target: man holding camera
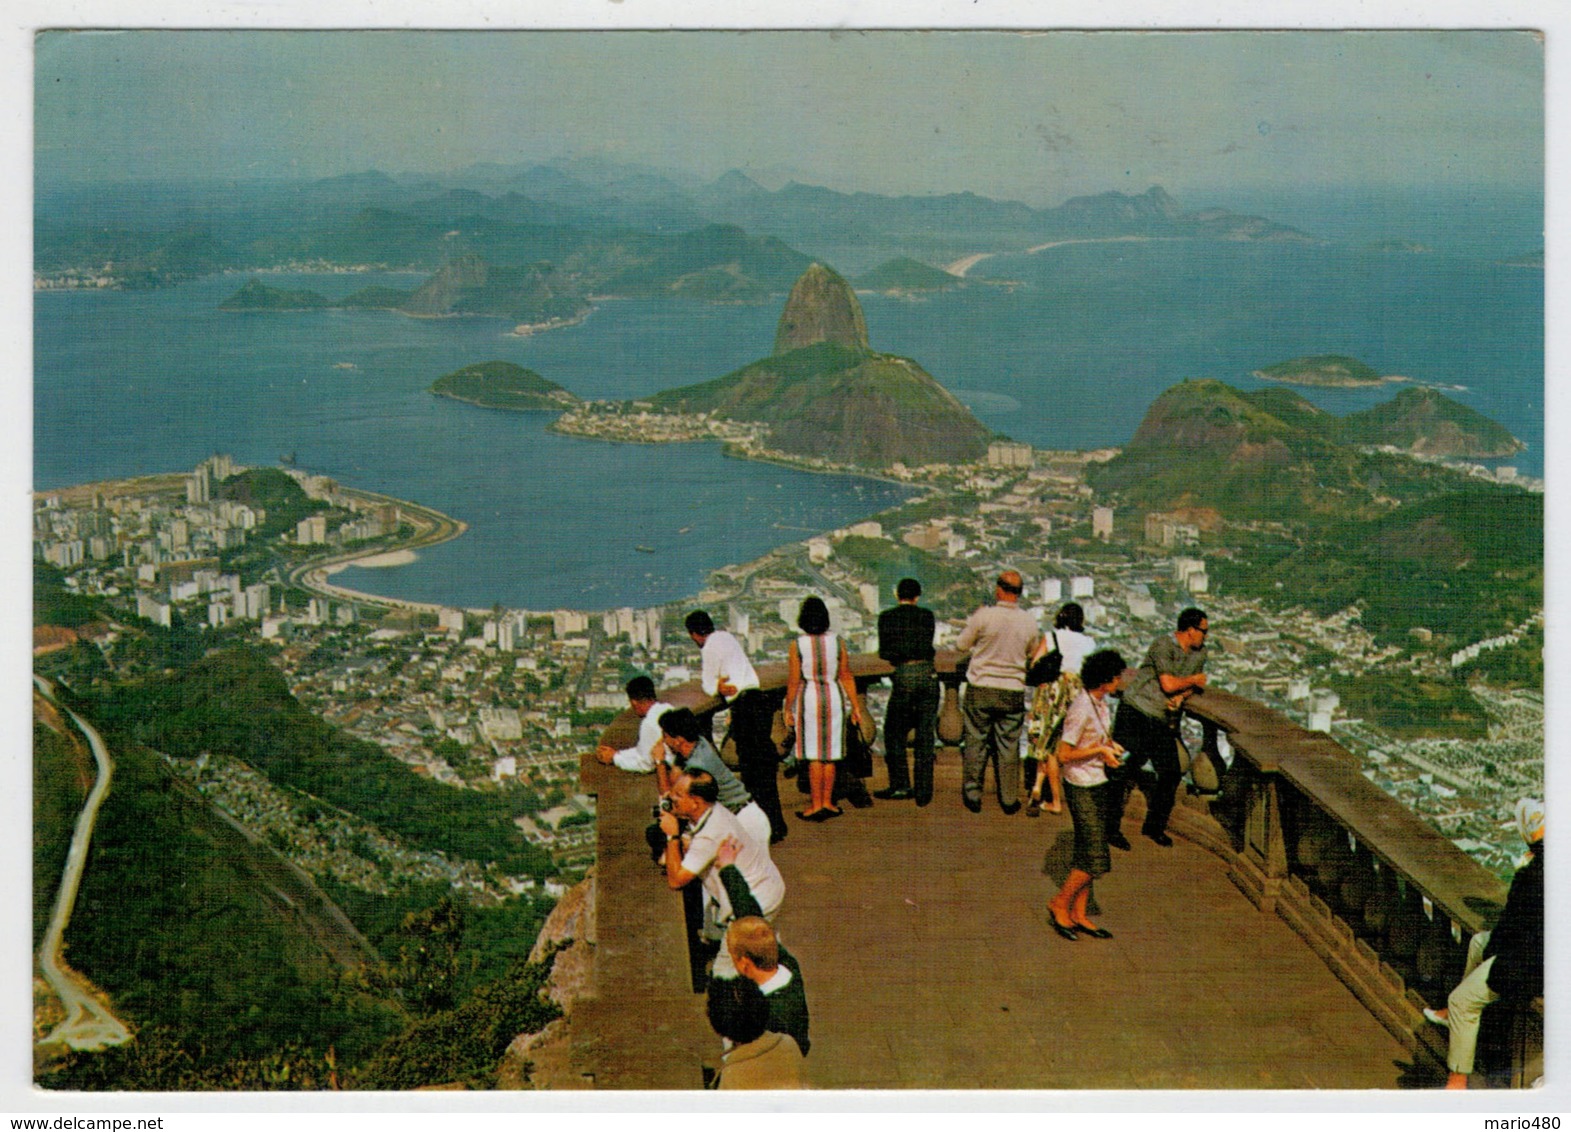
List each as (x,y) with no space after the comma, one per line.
(691,856)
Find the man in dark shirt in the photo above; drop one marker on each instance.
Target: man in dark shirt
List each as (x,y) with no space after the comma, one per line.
(905,640)
(758,954)
(1173,670)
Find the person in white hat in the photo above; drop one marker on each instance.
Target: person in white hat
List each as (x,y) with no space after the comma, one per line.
(1505,963)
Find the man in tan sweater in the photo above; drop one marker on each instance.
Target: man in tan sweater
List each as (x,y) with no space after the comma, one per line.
(1000,638)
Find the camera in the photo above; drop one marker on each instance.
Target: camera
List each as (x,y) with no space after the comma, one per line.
(661,807)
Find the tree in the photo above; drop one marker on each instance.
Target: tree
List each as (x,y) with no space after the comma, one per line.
(428,968)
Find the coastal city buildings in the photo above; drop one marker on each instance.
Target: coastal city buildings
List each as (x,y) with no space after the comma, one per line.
(510,699)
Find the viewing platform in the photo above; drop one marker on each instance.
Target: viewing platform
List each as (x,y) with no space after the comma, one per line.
(1288,939)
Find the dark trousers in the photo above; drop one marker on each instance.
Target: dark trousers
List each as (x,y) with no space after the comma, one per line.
(992,719)
(1147,740)
(912,704)
(758,762)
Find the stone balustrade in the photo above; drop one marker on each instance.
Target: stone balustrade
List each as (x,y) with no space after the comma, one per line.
(1382,898)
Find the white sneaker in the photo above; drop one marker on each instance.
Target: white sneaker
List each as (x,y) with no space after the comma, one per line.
(1437,1019)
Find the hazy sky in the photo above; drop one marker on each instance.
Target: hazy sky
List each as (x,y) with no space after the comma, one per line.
(1035,117)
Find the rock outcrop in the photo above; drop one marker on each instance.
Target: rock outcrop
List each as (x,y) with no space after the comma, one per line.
(825,393)
(822,308)
(543,1060)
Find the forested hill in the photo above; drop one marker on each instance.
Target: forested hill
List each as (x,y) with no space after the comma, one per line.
(1414,544)
(235,969)
(235,703)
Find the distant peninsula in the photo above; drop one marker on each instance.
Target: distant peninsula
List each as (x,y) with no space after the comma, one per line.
(503,385)
(1329,371)
(905,276)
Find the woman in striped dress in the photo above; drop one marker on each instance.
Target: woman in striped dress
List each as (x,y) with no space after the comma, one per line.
(819,688)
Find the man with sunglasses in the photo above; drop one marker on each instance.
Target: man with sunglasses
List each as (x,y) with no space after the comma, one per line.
(1173,670)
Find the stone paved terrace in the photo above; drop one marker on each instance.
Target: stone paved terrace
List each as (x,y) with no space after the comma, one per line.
(929,963)
(932,966)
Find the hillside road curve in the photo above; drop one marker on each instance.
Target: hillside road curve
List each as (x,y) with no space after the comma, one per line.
(88,1024)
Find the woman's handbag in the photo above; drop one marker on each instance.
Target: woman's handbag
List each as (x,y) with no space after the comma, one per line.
(1047,667)
(859,745)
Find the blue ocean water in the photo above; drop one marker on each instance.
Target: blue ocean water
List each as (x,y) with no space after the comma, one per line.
(1099,330)
(137,382)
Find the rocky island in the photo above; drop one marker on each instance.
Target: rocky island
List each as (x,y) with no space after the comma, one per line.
(503,385)
(1330,371)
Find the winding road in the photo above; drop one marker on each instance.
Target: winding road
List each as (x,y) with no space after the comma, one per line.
(88,1024)
(431,527)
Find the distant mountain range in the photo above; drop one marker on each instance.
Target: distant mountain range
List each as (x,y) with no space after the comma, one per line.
(718,263)
(631,230)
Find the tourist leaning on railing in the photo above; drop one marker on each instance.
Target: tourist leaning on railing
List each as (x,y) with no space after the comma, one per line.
(683,747)
(728,674)
(639,758)
(1505,964)
(690,856)
(1172,672)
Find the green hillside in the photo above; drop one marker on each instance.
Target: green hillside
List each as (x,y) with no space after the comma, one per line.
(1414,544)
(235,703)
(274,492)
(905,275)
(1203,443)
(193,927)
(62,775)
(1428,422)
(503,385)
(842,404)
(234,969)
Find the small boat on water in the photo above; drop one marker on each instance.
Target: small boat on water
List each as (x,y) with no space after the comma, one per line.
(642,549)
(684,530)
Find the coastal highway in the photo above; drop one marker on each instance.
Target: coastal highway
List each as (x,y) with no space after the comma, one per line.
(431,528)
(88,1023)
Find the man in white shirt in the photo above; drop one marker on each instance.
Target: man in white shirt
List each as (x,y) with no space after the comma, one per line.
(637,758)
(691,856)
(728,674)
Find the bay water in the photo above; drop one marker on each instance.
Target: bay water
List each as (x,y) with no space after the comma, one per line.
(1065,348)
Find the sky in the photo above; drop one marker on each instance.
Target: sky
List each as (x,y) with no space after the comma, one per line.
(1035,117)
